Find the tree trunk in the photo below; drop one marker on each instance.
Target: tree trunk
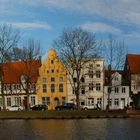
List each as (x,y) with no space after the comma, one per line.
(108,103)
(28,104)
(77,101)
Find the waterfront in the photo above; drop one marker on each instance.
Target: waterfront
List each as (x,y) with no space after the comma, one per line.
(77,129)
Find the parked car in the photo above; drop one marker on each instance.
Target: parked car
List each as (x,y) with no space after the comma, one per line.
(39,107)
(93,107)
(66,106)
(15,108)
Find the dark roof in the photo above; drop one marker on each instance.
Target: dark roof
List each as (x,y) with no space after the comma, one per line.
(108,79)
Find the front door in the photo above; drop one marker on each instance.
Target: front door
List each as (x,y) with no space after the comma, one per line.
(122,103)
(56,102)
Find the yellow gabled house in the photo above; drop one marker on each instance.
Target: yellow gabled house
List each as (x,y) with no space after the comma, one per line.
(52,82)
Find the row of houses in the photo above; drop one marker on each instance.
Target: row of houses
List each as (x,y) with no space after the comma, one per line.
(49,83)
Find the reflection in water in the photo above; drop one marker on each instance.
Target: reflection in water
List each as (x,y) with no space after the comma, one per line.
(88,129)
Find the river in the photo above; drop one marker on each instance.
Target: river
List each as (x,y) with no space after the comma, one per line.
(82,129)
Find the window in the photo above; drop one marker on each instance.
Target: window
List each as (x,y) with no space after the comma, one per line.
(90,86)
(44,88)
(82,103)
(116,79)
(109,101)
(90,101)
(63,100)
(109,89)
(60,87)
(90,65)
(8,87)
(74,80)
(60,79)
(90,72)
(82,90)
(5,87)
(17,101)
(52,61)
(44,80)
(98,87)
(1,102)
(52,71)
(99,100)
(52,88)
(14,87)
(46,100)
(116,102)
(82,79)
(57,71)
(135,87)
(18,86)
(32,100)
(97,65)
(116,90)
(47,71)
(98,74)
(8,101)
(123,89)
(52,79)
(33,86)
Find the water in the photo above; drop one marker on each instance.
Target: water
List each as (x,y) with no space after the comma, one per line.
(87,129)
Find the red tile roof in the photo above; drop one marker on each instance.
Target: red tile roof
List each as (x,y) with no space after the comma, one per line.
(13,71)
(133,60)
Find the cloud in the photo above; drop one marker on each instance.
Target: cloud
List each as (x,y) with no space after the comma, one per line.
(29,25)
(122,11)
(100,27)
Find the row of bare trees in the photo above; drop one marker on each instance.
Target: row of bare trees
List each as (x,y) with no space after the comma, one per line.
(75,48)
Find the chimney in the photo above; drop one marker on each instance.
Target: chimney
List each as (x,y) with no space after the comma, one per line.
(109,67)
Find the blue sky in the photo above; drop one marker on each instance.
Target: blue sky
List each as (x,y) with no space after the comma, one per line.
(45,20)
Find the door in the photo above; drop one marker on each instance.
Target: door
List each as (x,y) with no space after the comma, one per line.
(122,103)
(56,102)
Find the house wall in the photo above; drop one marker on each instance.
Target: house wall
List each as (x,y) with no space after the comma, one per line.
(119,96)
(91,96)
(52,68)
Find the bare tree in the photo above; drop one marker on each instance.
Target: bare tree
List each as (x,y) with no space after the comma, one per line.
(8,39)
(115,53)
(75,47)
(30,56)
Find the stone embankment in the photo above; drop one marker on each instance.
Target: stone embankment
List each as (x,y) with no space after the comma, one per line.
(81,114)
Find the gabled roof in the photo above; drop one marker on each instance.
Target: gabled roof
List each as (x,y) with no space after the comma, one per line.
(133,60)
(108,77)
(14,70)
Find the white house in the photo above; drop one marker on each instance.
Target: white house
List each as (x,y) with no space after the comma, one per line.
(116,91)
(92,84)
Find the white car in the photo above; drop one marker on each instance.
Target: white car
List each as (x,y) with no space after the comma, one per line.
(88,107)
(15,108)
